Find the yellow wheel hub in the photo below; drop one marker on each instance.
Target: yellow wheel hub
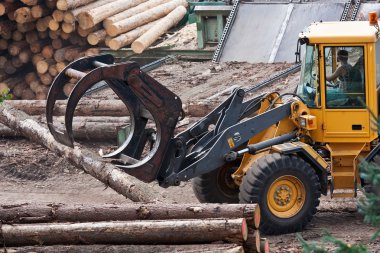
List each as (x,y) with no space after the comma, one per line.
(286,196)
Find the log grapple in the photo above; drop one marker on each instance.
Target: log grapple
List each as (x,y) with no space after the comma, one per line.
(202,148)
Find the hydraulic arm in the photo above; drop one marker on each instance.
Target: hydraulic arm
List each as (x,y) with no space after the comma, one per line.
(203,147)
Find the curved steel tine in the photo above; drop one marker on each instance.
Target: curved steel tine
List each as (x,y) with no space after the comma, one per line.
(132,103)
(56,91)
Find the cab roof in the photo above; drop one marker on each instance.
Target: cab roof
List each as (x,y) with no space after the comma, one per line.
(340,32)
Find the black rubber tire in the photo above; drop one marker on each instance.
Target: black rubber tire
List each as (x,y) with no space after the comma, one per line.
(212,187)
(263,173)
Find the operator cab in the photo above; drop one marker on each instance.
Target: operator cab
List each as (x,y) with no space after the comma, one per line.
(339,78)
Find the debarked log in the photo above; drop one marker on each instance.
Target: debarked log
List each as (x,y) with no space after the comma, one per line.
(92,213)
(126,232)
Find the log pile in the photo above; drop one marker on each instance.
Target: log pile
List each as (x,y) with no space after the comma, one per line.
(39,38)
(193,226)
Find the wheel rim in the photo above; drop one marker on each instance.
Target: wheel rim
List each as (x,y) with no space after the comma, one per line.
(286,196)
(225,182)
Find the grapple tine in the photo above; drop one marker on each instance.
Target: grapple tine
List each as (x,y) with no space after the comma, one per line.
(56,90)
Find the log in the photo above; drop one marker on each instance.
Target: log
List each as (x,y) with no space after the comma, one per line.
(145,17)
(43,66)
(26,27)
(100,108)
(16,62)
(124,232)
(3,88)
(127,38)
(30,2)
(43,24)
(31,37)
(28,94)
(43,34)
(82,158)
(47,52)
(57,15)
(39,11)
(96,37)
(53,25)
(68,27)
(53,70)
(17,35)
(25,56)
(65,5)
(133,11)
(73,53)
(24,15)
(83,130)
(71,16)
(16,47)
(59,55)
(30,77)
(204,248)
(264,245)
(9,68)
(31,213)
(57,43)
(6,29)
(94,16)
(3,44)
(148,38)
(55,34)
(46,79)
(17,90)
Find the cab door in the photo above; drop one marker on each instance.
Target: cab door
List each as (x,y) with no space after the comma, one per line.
(345,95)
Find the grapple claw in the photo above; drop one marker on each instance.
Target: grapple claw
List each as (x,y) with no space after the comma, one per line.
(56,90)
(144,98)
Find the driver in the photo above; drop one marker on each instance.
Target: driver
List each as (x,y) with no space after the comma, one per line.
(342,73)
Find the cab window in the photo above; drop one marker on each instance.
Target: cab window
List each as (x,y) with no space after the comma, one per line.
(344,77)
(308,89)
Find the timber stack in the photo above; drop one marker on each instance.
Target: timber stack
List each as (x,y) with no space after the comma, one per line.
(144,227)
(39,38)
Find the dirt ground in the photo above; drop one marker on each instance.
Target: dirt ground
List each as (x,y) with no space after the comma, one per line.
(31,174)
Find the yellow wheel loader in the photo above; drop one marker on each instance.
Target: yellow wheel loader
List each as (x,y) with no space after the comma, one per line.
(281,151)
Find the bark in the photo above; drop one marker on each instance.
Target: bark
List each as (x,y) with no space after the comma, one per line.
(124,232)
(142,18)
(133,11)
(82,158)
(204,248)
(94,16)
(127,38)
(94,213)
(158,29)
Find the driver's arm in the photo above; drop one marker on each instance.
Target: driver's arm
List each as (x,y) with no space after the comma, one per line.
(335,75)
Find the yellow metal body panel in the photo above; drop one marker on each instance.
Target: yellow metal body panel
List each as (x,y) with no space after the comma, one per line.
(340,32)
(291,145)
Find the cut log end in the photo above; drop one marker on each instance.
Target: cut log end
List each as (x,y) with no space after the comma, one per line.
(264,245)
(62,5)
(137,47)
(114,44)
(85,21)
(93,39)
(257,217)
(244,230)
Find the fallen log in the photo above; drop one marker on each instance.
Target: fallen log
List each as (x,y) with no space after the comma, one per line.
(93,213)
(64,5)
(99,108)
(82,158)
(204,248)
(126,232)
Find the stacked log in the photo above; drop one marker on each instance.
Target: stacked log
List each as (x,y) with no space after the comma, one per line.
(170,225)
(39,38)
